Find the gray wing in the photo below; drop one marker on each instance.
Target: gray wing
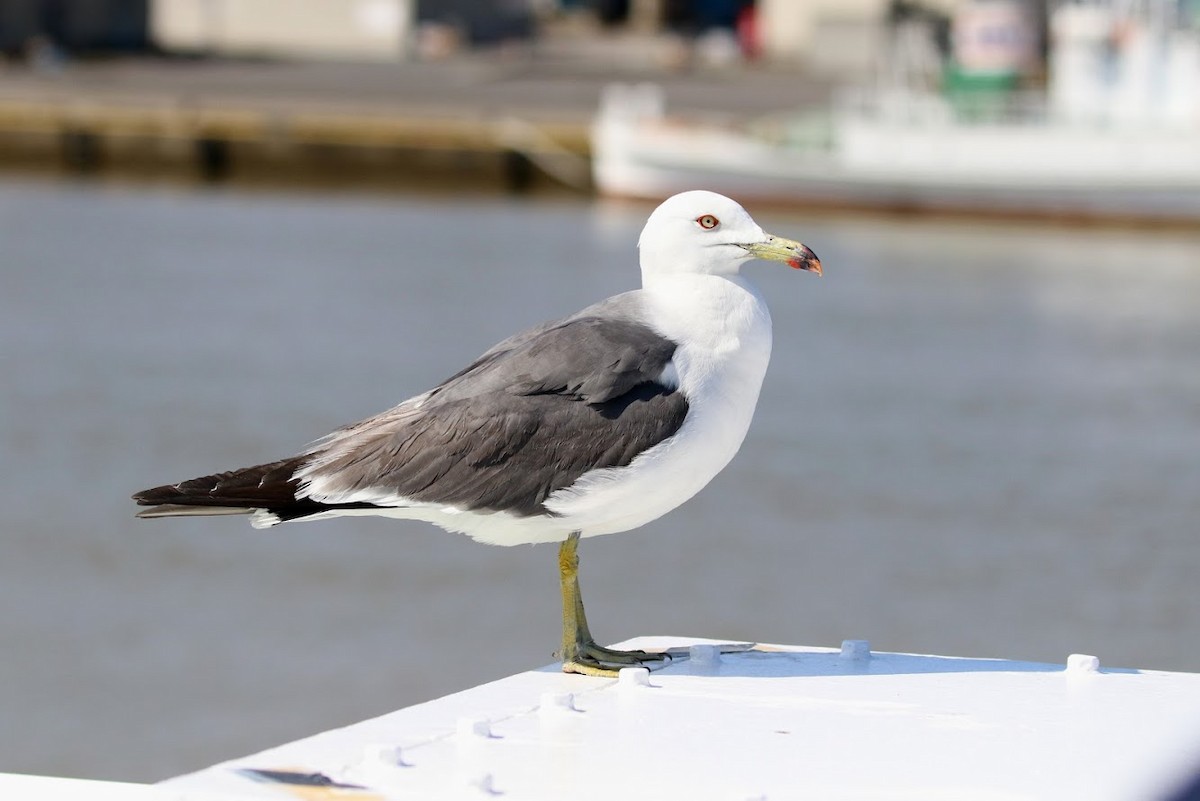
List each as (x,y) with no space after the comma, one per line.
(527,418)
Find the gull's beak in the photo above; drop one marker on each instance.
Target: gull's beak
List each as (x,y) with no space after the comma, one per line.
(791,253)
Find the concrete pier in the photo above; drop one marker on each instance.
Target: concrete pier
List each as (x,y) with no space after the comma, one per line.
(504,117)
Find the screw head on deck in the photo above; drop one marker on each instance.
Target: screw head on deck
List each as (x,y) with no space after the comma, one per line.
(856,650)
(1083,663)
(383,755)
(557,702)
(482,783)
(474,728)
(633,677)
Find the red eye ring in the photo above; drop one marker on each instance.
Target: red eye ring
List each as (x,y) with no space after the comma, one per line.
(707,221)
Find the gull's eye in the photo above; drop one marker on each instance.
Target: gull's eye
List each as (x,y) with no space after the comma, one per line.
(708,222)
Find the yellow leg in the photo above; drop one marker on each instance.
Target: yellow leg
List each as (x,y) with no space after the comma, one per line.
(580,653)
(574,622)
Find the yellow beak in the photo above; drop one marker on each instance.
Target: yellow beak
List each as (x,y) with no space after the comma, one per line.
(792,253)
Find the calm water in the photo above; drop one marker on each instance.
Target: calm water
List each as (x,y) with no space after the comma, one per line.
(974,439)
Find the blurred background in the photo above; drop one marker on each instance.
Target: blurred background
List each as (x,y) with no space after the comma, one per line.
(226,229)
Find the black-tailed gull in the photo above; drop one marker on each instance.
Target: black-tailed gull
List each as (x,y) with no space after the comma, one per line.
(592,424)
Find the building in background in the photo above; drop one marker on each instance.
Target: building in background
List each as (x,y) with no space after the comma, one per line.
(846,38)
(77,25)
(377,30)
(835,36)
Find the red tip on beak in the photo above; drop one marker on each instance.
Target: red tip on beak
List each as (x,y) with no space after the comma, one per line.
(806,260)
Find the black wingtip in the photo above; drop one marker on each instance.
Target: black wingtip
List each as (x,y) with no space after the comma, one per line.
(154,496)
(261,486)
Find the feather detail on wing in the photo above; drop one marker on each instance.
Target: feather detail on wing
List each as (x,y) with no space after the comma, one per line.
(527,418)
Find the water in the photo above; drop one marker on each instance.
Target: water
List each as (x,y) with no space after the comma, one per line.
(974,439)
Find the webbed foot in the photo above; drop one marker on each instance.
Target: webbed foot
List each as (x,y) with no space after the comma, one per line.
(591,659)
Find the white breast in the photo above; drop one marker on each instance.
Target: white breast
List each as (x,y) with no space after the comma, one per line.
(724,333)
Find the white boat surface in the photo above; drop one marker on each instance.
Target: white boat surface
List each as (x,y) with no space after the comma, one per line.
(740,721)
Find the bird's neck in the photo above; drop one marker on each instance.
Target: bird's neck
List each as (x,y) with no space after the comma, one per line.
(715,310)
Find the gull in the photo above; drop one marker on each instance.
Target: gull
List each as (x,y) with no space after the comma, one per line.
(592,424)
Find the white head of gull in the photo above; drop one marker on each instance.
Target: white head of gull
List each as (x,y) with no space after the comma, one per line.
(701,232)
(592,424)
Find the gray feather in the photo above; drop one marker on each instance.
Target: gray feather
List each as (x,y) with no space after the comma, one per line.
(527,418)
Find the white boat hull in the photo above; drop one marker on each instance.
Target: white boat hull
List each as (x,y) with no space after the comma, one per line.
(1006,169)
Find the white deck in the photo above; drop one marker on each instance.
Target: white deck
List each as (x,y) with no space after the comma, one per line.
(773,722)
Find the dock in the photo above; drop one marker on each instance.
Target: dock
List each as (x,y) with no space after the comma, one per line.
(513,119)
(741,721)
